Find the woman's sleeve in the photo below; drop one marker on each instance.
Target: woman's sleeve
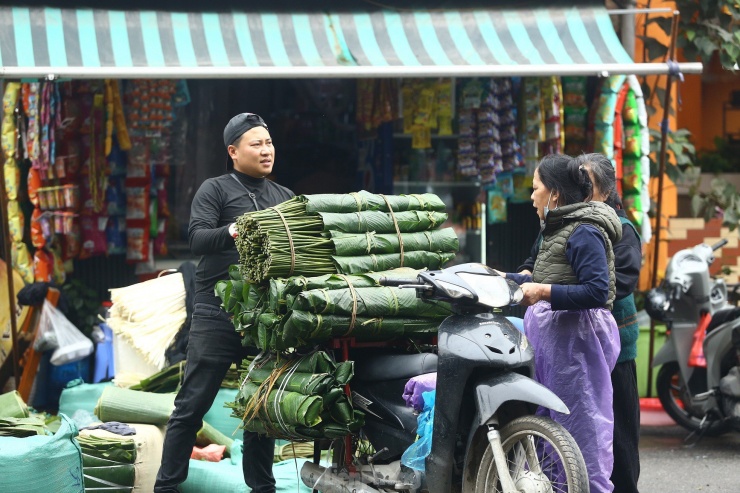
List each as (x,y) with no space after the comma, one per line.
(529,263)
(519,278)
(586,252)
(627,262)
(204,233)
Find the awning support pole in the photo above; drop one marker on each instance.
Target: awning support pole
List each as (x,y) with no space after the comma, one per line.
(661,173)
(546,70)
(7,254)
(632,11)
(627,30)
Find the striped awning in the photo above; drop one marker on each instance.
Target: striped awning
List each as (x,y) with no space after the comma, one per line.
(38,42)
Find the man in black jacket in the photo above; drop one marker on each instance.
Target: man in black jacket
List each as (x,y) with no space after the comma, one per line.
(213,343)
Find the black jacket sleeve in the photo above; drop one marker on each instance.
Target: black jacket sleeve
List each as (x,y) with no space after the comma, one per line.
(627,261)
(204,232)
(529,263)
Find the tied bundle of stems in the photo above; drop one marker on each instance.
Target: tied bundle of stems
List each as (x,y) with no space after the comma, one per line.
(162,382)
(269,247)
(299,236)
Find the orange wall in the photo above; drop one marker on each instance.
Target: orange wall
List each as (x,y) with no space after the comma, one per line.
(716,86)
(691,92)
(670,197)
(702,97)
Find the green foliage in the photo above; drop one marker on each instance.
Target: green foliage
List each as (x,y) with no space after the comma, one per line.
(722,199)
(682,168)
(83,305)
(679,165)
(704,27)
(724,159)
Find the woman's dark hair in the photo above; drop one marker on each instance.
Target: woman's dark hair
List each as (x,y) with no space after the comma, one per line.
(562,174)
(604,176)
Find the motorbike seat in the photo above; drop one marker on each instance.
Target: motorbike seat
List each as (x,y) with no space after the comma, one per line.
(384,367)
(723,316)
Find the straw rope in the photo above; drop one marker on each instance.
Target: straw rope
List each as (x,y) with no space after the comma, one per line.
(358,200)
(290,241)
(395,224)
(352,291)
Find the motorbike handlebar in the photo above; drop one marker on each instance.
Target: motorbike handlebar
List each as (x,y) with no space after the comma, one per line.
(385,281)
(719,244)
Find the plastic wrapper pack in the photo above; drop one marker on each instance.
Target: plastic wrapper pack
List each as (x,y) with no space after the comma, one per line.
(575,353)
(633,207)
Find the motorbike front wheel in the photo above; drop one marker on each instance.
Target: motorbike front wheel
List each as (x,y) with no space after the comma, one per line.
(542,457)
(675,398)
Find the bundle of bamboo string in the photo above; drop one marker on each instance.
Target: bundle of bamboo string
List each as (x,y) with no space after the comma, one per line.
(149,314)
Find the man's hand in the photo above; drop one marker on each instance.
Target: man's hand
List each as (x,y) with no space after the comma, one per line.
(526,272)
(534,292)
(232,230)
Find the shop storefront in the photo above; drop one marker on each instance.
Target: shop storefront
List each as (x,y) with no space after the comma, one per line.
(112,119)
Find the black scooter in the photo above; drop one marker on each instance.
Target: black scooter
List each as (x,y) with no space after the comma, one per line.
(486,436)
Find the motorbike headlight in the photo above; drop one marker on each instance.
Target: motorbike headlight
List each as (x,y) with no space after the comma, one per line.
(454,291)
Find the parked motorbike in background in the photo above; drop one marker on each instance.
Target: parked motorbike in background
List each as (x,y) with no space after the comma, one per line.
(486,437)
(699,382)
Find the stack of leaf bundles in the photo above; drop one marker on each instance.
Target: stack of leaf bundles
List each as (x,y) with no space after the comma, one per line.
(108,462)
(169,379)
(15,420)
(301,398)
(313,235)
(303,311)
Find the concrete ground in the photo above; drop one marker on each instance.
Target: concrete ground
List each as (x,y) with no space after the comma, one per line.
(670,464)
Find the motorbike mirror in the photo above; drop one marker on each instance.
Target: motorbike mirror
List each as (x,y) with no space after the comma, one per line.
(719,244)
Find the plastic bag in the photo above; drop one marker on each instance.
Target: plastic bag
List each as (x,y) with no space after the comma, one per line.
(58,333)
(413,392)
(414,456)
(575,353)
(211,453)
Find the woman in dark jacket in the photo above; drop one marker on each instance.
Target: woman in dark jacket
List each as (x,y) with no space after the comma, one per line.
(627,265)
(570,294)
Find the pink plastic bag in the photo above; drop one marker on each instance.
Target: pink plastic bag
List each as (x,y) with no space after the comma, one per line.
(210,453)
